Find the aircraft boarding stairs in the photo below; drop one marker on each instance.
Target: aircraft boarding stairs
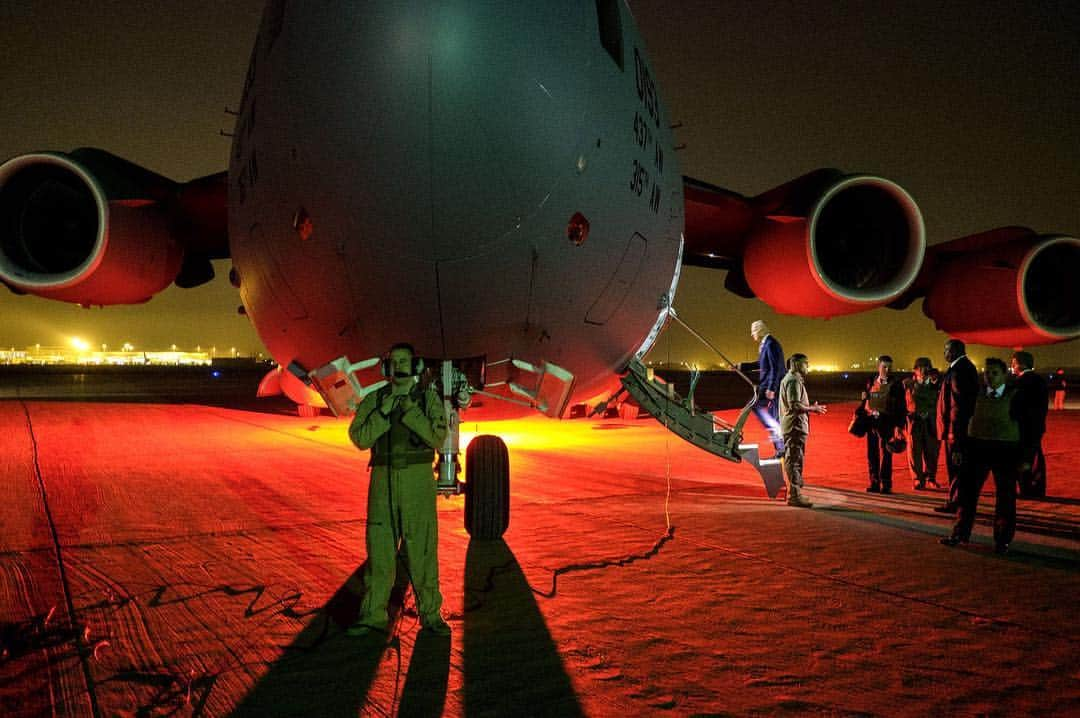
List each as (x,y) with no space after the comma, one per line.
(701,429)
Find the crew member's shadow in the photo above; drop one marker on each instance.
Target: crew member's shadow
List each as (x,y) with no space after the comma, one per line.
(323,671)
(424,693)
(511,664)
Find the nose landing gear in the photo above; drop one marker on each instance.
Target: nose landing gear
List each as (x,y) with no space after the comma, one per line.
(487,488)
(487,461)
(487,465)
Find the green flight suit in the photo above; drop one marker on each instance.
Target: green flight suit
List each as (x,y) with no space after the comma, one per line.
(401,499)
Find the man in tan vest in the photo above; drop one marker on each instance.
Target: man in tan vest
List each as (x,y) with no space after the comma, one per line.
(994,441)
(795,410)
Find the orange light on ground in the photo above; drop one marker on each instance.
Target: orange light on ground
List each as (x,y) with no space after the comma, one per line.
(274,491)
(531,433)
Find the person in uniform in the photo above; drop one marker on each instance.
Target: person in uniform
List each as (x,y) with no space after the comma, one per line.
(1059,385)
(1029,410)
(884,397)
(795,410)
(993,446)
(770,371)
(956,402)
(921,395)
(403,424)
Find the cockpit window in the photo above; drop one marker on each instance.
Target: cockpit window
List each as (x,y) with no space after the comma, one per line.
(607,14)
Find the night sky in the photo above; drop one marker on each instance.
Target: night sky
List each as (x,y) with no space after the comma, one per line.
(973,107)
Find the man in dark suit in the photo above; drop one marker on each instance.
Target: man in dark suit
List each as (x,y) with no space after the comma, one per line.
(1029,410)
(771,370)
(956,403)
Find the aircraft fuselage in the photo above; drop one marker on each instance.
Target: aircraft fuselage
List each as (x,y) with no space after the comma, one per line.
(481,179)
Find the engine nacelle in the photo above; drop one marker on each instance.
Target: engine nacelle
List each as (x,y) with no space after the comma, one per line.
(85,229)
(1020,292)
(828,245)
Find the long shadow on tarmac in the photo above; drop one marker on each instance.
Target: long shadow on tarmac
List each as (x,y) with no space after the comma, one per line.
(323,671)
(1055,500)
(1031,554)
(511,662)
(424,693)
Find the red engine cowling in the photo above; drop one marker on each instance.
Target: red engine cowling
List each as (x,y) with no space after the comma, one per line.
(83,234)
(856,243)
(1007,287)
(822,245)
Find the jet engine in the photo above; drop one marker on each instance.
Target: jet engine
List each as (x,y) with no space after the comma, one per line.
(1006,287)
(92,229)
(822,245)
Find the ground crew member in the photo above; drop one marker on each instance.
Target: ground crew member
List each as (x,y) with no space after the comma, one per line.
(1059,385)
(403,424)
(795,410)
(994,440)
(921,394)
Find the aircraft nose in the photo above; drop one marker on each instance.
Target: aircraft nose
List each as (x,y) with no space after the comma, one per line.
(508,104)
(461,118)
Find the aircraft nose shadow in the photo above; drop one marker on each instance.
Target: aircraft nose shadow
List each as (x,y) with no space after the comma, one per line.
(511,662)
(323,671)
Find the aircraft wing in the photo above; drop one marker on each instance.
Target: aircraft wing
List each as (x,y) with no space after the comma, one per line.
(91,228)
(829,243)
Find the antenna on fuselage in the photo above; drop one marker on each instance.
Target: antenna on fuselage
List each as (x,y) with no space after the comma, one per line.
(234,113)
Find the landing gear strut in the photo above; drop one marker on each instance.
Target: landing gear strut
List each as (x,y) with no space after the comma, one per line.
(487,465)
(543,387)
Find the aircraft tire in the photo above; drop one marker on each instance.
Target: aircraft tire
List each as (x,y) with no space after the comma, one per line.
(487,487)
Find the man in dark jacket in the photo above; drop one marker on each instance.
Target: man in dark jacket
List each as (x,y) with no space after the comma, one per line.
(887,409)
(771,370)
(956,403)
(1029,409)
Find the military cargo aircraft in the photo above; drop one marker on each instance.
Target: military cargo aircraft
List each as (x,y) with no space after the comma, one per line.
(498,185)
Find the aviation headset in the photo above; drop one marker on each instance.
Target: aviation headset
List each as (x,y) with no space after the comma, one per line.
(417,363)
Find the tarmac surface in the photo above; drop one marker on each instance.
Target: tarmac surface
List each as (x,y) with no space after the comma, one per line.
(183,559)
